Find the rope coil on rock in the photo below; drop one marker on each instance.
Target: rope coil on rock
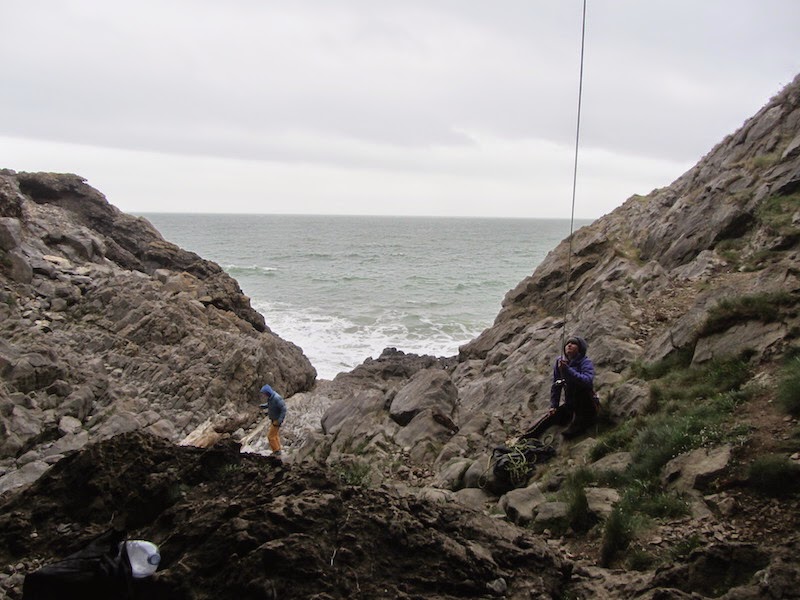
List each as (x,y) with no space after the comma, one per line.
(520,458)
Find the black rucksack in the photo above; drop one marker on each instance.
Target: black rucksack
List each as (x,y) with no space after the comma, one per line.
(101,570)
(513,465)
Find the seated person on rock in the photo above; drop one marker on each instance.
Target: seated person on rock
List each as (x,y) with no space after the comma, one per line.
(573,374)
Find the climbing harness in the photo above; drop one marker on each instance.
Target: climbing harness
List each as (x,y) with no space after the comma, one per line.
(574,179)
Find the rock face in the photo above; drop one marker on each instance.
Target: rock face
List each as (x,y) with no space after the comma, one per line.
(105,327)
(643,282)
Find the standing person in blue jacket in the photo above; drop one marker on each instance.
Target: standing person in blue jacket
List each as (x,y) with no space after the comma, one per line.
(573,373)
(276,411)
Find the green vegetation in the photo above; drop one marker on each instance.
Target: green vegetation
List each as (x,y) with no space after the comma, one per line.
(615,440)
(777,212)
(730,249)
(789,386)
(684,548)
(680,359)
(758,260)
(774,475)
(353,473)
(577,505)
(647,498)
(640,560)
(642,501)
(362,446)
(764,161)
(766,307)
(695,406)
(617,534)
(668,434)
(715,377)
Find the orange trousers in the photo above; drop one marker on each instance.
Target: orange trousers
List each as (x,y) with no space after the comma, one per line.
(273,436)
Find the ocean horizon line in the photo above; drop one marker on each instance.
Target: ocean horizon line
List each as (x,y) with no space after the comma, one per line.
(366,216)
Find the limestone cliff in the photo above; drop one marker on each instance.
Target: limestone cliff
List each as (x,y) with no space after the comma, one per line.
(106,327)
(640,283)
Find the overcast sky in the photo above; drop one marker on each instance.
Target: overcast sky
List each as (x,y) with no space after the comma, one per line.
(405,107)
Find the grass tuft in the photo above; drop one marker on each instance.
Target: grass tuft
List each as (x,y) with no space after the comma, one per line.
(766,307)
(789,387)
(353,473)
(774,475)
(617,535)
(679,359)
(575,496)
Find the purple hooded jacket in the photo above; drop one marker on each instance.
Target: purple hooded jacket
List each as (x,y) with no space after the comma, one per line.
(578,377)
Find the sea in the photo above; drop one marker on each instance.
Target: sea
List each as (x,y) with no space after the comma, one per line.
(344,288)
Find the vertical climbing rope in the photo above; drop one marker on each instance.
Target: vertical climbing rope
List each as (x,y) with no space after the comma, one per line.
(574,182)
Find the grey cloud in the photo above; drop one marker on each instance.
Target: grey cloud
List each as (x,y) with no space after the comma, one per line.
(229,79)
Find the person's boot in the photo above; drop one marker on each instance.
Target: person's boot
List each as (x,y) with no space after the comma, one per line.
(574,429)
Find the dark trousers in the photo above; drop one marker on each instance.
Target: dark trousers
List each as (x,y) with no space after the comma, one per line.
(578,419)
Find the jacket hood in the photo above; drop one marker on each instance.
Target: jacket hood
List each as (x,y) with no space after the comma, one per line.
(267,390)
(583,346)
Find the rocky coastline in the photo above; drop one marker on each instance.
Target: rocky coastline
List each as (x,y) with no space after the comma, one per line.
(123,354)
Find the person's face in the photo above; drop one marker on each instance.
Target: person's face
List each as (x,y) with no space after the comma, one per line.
(571,350)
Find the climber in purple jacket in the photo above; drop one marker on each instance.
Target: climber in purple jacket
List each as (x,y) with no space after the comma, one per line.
(573,374)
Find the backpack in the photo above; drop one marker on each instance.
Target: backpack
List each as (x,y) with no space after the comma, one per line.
(100,570)
(513,465)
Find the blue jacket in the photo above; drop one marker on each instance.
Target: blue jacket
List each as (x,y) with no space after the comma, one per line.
(275,405)
(578,378)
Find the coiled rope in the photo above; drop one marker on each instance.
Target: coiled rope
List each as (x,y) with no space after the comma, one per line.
(521,456)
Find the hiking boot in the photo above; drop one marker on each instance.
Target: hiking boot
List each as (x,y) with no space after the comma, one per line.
(572,432)
(276,453)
